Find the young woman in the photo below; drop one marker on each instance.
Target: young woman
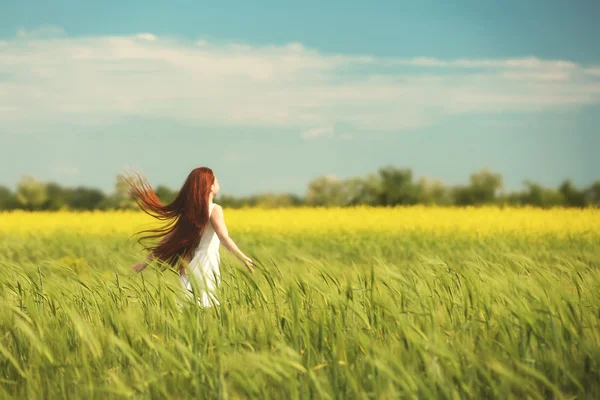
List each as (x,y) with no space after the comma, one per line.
(193,230)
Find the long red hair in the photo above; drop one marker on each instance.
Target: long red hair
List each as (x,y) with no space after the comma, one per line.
(184,218)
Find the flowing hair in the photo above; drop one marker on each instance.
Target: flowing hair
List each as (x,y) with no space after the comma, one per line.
(184,218)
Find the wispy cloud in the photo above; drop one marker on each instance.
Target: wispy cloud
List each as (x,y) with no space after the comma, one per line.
(61,170)
(41,32)
(593,71)
(146,36)
(48,77)
(317,132)
(512,63)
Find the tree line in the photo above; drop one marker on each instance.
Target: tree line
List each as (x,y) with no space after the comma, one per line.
(389,186)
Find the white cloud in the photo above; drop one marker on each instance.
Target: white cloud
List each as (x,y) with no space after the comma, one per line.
(593,71)
(513,63)
(47,77)
(533,76)
(60,170)
(41,32)
(317,132)
(146,36)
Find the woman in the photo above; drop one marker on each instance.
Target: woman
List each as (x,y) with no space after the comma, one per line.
(194,228)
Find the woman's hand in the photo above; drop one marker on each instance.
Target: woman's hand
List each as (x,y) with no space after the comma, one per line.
(138,267)
(249,263)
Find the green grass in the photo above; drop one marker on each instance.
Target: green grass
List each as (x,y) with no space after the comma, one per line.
(356,316)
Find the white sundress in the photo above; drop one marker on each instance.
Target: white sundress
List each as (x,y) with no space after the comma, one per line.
(204,267)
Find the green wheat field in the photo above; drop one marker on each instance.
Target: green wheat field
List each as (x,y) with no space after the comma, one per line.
(422,313)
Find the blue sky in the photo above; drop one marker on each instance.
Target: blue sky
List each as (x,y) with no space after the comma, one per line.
(273,95)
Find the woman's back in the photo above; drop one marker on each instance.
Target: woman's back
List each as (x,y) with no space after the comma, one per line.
(205,264)
(209,241)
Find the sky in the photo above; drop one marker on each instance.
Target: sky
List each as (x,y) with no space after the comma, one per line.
(273,94)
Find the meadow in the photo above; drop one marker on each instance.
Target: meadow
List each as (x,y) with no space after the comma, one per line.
(358,303)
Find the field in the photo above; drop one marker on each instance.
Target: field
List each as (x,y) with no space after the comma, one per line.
(345,303)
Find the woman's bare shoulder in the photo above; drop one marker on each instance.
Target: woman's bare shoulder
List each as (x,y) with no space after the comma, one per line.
(216,209)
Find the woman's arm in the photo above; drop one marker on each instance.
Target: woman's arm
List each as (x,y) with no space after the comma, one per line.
(138,267)
(217,220)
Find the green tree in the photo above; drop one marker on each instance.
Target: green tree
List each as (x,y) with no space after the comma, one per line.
(485,186)
(229,201)
(361,191)
(120,198)
(433,192)
(573,197)
(397,187)
(273,200)
(324,191)
(8,200)
(84,198)
(31,194)
(165,194)
(57,197)
(592,194)
(537,195)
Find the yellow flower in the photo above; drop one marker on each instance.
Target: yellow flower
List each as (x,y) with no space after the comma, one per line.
(433,220)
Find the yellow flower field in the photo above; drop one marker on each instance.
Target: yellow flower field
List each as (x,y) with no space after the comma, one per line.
(435,220)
